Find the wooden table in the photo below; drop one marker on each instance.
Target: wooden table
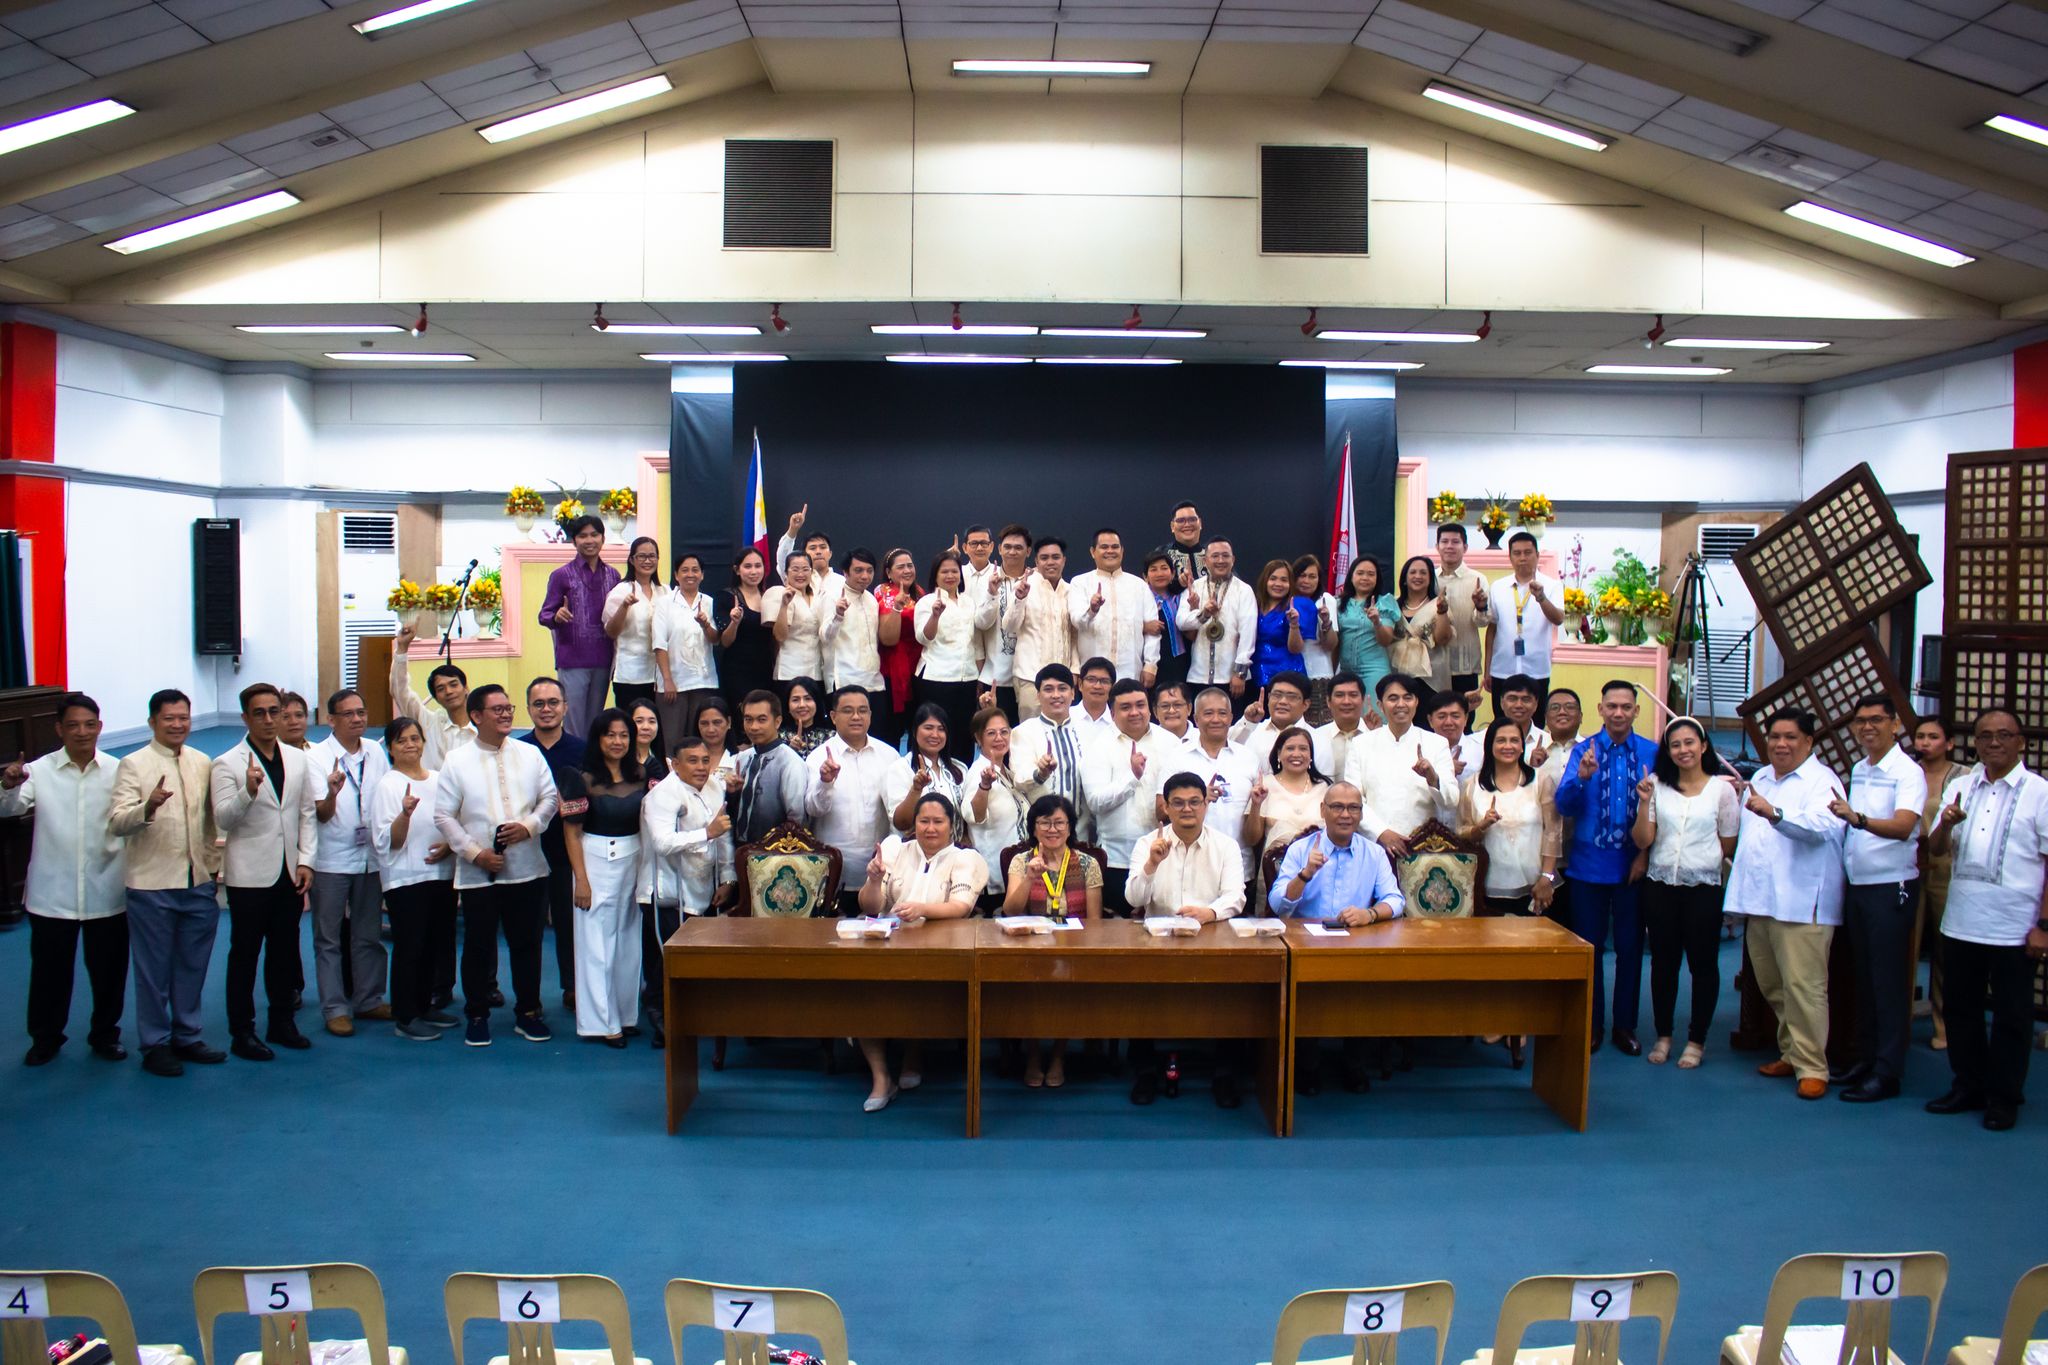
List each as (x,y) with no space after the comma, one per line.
(795,978)
(1113,980)
(1414,978)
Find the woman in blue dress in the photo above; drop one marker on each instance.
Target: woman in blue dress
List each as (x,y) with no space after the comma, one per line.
(1365,627)
(1285,622)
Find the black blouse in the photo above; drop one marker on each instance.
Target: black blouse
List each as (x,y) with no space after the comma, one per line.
(607,810)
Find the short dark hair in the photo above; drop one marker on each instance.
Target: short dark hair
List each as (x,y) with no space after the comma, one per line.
(940,560)
(1880,701)
(1013,529)
(578,525)
(939,799)
(287,699)
(840,694)
(548,680)
(76,701)
(1401,586)
(1044,541)
(1058,673)
(761,696)
(1666,767)
(814,537)
(260,689)
(1183,781)
(1180,685)
(1124,687)
(1453,528)
(1938,721)
(1522,682)
(1184,506)
(446,671)
(1098,664)
(1344,677)
(1797,716)
(1052,803)
(1557,692)
(395,728)
(977,526)
(687,742)
(484,694)
(1617,685)
(1294,678)
(1450,696)
(593,752)
(1155,557)
(712,703)
(1102,531)
(682,558)
(1488,768)
(1413,686)
(340,695)
(861,554)
(1518,537)
(1990,711)
(168,696)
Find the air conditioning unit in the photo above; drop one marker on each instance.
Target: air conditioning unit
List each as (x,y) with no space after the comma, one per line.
(1724,658)
(367,570)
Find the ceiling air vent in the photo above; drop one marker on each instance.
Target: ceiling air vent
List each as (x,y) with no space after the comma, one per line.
(778,194)
(1312,201)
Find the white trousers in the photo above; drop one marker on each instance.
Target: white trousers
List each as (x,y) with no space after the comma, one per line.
(608,938)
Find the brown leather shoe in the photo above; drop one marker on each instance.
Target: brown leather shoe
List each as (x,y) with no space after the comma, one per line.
(1780,1069)
(375,1012)
(341,1026)
(1812,1088)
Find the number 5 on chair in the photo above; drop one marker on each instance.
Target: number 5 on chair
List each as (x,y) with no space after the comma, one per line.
(753,1312)
(533,1301)
(283,1291)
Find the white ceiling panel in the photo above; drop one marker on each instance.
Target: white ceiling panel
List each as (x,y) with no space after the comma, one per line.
(221,20)
(1998,43)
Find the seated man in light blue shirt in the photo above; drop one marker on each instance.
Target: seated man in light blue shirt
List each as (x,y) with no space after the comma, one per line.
(1340,877)
(1334,876)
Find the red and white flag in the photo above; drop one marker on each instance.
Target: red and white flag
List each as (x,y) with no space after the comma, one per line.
(756,532)
(1343,526)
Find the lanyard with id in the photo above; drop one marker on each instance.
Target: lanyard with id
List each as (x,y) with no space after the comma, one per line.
(1521,603)
(1055,892)
(355,780)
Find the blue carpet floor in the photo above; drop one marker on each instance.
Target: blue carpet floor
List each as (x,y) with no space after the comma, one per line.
(1080,1228)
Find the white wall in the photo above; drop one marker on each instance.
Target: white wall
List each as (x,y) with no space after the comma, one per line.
(1907,428)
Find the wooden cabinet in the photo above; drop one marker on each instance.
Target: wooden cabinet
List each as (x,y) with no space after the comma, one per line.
(28,726)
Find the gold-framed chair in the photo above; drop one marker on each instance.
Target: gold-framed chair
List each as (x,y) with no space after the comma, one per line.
(1548,1298)
(1867,1331)
(803,1312)
(2022,1312)
(1443,875)
(473,1294)
(1320,1313)
(80,1294)
(1010,855)
(1269,865)
(286,1338)
(788,872)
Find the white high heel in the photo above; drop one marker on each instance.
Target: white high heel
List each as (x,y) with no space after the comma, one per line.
(875,1104)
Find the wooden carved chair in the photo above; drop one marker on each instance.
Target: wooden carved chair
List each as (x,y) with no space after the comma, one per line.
(790,872)
(1269,865)
(1014,851)
(1443,875)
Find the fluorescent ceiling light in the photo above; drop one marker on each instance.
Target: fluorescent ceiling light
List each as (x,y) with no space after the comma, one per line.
(2003,123)
(64,122)
(1657,370)
(677,329)
(1806,211)
(210,221)
(403,357)
(1528,123)
(1397,336)
(568,111)
(1746,344)
(1680,22)
(425,9)
(1010,67)
(959,359)
(314,329)
(1355,364)
(946,329)
(1142,333)
(1107,360)
(708,358)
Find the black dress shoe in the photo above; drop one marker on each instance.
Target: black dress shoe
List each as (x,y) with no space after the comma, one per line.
(250,1048)
(1595,1046)
(1145,1089)
(2000,1117)
(497,998)
(199,1052)
(1852,1076)
(287,1035)
(1871,1089)
(1625,1043)
(1228,1096)
(161,1061)
(41,1054)
(110,1052)
(1956,1101)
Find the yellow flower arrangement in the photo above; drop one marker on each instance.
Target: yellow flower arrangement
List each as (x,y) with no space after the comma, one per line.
(442,597)
(1495,517)
(1615,602)
(620,502)
(1446,509)
(568,509)
(1534,510)
(484,595)
(405,597)
(524,502)
(1653,602)
(1576,603)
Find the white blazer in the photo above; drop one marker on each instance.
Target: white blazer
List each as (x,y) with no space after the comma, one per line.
(266,829)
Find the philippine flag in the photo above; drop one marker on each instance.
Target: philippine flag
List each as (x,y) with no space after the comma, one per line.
(756,530)
(1343,527)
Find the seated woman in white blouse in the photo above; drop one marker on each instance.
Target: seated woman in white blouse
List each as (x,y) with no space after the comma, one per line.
(1290,799)
(995,804)
(924,771)
(791,609)
(924,877)
(1513,813)
(947,670)
(1687,817)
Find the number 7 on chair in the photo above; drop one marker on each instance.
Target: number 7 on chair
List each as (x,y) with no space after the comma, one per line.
(753,1313)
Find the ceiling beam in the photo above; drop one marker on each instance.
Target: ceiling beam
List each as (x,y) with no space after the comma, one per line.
(16,287)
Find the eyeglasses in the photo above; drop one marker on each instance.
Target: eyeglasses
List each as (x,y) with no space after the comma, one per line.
(1345,807)
(1051,822)
(1185,803)
(2003,735)
(504,710)
(542,704)
(1188,519)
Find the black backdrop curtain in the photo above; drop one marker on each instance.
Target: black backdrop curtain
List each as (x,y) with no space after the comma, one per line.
(890,455)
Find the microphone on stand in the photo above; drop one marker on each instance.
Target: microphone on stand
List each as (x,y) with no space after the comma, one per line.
(461,597)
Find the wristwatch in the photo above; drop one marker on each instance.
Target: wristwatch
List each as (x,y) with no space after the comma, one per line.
(2042,924)
(1862,820)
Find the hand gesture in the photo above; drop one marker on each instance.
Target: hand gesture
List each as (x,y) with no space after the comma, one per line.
(411,802)
(1646,790)
(581,892)
(161,795)
(1023,589)
(1842,811)
(1588,764)
(921,778)
(1137,761)
(406,635)
(988,776)
(1492,816)
(788,601)
(1044,765)
(1952,814)
(938,607)
(1421,767)
(829,769)
(986,697)
(1037,866)
(704,620)
(1372,611)
(1759,805)
(1371,719)
(796,520)
(1316,858)
(733,780)
(1536,587)
(1323,613)
(1217,790)
(1257,796)
(1443,598)
(1256,712)
(1457,760)
(954,548)
(1542,754)
(1095,602)
(1211,607)
(844,603)
(632,591)
(876,868)
(13,775)
(720,823)
(1187,577)
(1162,844)
(1478,595)
(563,616)
(253,779)
(1293,613)
(335,778)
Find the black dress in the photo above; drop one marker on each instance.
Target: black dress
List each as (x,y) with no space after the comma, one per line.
(748,663)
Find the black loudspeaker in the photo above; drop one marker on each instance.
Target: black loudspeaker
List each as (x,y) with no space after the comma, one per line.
(217,586)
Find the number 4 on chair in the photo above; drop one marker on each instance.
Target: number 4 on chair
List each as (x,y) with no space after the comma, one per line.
(747,1312)
(24,1297)
(1870,1279)
(533,1301)
(1371,1314)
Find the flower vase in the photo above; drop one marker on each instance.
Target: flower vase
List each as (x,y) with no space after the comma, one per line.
(1575,627)
(524,521)
(1653,626)
(1492,537)
(614,523)
(1535,528)
(409,619)
(1614,626)
(493,627)
(430,623)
